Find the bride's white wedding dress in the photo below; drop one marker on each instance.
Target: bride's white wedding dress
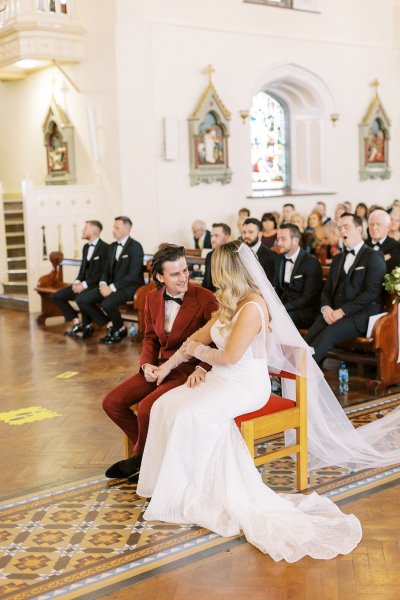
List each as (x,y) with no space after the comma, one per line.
(196,467)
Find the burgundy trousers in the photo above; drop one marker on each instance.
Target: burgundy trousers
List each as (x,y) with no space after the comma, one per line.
(136,390)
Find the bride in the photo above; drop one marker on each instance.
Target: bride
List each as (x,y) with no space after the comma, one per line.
(196,467)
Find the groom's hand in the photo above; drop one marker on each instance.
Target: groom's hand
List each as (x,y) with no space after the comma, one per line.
(150,373)
(196,378)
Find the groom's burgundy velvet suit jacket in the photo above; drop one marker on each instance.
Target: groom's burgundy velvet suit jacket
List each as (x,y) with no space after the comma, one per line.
(198,304)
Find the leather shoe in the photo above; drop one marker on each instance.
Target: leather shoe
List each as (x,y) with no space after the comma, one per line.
(119,335)
(77,328)
(124,468)
(133,479)
(107,339)
(88,331)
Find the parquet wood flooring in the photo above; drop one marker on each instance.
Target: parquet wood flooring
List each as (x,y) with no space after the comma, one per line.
(82,441)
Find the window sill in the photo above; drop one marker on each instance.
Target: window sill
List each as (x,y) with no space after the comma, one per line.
(287,194)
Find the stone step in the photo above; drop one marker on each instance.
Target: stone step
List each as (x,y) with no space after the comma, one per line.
(14,211)
(12,204)
(14,302)
(16,251)
(15,288)
(14,227)
(18,262)
(17,276)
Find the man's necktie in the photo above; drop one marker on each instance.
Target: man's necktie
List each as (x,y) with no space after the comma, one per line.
(168,297)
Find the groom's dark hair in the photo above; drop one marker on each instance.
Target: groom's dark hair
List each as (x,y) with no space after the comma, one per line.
(294,230)
(165,253)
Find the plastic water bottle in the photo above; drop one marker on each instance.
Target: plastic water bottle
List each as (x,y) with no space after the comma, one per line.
(132,329)
(343,378)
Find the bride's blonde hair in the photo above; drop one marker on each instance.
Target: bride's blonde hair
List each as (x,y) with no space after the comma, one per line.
(231,279)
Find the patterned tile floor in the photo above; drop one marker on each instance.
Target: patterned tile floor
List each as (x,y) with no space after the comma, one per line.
(85,536)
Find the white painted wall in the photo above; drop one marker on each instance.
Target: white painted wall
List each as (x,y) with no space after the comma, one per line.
(166,44)
(144,61)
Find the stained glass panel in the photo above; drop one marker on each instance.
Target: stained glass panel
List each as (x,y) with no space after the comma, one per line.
(268,143)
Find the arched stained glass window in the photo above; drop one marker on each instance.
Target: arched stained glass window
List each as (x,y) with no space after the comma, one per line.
(268,135)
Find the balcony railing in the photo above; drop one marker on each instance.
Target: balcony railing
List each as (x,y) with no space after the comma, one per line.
(48,12)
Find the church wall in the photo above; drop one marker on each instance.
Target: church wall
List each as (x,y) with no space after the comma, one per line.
(24,106)
(165,46)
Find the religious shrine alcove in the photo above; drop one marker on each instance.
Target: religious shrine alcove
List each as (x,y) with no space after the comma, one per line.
(59,144)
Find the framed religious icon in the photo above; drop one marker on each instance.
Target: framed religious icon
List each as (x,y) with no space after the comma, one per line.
(208,138)
(374,131)
(59,144)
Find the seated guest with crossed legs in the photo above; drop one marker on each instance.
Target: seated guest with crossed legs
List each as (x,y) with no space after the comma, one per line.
(378,227)
(123,273)
(352,292)
(94,255)
(220,234)
(298,279)
(173,312)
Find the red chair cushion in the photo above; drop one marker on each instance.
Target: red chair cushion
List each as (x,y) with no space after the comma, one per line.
(274,404)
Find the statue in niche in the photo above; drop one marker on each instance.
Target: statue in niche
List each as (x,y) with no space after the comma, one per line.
(57,151)
(58,135)
(210,143)
(375,143)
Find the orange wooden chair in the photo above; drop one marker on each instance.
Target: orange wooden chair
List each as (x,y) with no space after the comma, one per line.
(279,415)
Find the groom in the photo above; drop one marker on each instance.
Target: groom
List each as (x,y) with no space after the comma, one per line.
(173,312)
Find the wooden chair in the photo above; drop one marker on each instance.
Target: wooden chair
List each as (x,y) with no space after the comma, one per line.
(279,415)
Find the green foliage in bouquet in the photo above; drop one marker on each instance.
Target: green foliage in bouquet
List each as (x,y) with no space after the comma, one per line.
(391,283)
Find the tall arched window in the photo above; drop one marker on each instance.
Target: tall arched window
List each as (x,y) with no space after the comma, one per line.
(268,136)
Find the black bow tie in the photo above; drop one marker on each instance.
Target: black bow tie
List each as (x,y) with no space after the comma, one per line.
(289,260)
(119,244)
(349,252)
(168,297)
(93,245)
(377,245)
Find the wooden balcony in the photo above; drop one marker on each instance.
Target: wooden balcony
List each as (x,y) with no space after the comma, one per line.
(38,31)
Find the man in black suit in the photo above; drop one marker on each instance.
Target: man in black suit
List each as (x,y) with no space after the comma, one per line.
(352,292)
(123,273)
(201,235)
(94,255)
(251,236)
(298,279)
(378,227)
(220,234)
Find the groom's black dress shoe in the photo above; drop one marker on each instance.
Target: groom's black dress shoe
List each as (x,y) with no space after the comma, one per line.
(133,479)
(124,468)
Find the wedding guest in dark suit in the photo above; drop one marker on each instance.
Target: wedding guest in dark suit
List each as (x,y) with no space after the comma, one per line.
(321,208)
(94,255)
(298,279)
(220,234)
(352,292)
(173,312)
(251,235)
(378,226)
(123,273)
(201,235)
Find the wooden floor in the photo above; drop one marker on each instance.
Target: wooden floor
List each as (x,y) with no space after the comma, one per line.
(82,441)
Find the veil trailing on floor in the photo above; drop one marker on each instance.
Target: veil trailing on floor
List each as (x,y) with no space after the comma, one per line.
(332,439)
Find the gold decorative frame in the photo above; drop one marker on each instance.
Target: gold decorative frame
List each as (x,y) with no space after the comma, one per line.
(374,136)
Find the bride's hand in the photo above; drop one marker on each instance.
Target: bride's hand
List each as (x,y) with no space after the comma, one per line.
(189,347)
(162,373)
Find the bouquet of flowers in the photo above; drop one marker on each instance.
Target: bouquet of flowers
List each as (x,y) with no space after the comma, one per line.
(391,283)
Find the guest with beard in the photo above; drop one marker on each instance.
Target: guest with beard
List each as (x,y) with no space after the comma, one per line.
(251,236)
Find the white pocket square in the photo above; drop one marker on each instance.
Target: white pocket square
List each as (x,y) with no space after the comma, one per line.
(126,256)
(297,276)
(359,268)
(96,257)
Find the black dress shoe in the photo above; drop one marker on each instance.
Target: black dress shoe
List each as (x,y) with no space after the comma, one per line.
(88,331)
(124,468)
(133,479)
(77,328)
(107,339)
(119,335)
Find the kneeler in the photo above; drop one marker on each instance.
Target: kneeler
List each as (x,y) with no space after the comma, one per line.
(278,415)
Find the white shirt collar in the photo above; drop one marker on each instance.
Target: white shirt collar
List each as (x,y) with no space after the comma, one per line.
(294,256)
(181,296)
(256,247)
(123,242)
(357,248)
(94,242)
(379,241)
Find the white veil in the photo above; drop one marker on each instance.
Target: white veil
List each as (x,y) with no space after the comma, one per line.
(332,439)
